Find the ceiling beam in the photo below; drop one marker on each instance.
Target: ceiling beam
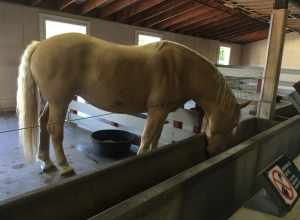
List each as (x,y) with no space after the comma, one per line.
(239,31)
(188,25)
(214,17)
(90,5)
(66,3)
(250,37)
(238,27)
(115,7)
(245,32)
(217,5)
(177,11)
(191,14)
(223,25)
(206,28)
(227,35)
(235,27)
(155,11)
(138,8)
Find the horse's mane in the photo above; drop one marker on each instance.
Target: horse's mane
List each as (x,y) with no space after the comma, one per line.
(163,42)
(225,98)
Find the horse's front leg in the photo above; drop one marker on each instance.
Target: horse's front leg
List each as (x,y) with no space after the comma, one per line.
(56,129)
(152,129)
(157,136)
(43,149)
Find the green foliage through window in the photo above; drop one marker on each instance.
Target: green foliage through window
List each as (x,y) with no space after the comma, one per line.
(224,55)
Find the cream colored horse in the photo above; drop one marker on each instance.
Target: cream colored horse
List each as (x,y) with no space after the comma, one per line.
(156,78)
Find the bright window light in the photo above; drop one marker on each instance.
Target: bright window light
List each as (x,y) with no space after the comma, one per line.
(147,39)
(53,28)
(56,27)
(224,55)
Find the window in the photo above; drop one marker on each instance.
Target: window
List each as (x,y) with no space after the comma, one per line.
(224,55)
(147,38)
(54,25)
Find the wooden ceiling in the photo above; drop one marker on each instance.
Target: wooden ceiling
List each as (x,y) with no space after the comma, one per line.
(262,10)
(201,18)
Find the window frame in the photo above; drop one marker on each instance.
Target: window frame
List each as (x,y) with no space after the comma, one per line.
(44,17)
(151,34)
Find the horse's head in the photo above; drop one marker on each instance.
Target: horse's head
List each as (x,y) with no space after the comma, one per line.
(222,127)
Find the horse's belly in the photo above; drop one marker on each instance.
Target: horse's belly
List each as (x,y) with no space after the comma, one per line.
(114,101)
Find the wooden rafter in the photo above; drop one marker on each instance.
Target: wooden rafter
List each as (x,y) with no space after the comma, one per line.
(66,3)
(155,11)
(228,20)
(233,28)
(191,21)
(238,27)
(138,8)
(245,31)
(223,25)
(239,31)
(189,14)
(204,29)
(216,4)
(115,7)
(214,17)
(249,37)
(93,4)
(178,11)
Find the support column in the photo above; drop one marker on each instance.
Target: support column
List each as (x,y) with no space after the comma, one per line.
(266,108)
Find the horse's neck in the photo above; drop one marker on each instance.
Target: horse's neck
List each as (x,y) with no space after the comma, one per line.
(220,108)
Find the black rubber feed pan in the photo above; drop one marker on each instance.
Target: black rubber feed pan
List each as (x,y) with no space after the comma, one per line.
(112,143)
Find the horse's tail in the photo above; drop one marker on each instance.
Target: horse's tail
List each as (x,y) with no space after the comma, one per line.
(27,105)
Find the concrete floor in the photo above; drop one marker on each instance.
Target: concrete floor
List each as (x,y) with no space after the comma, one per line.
(17,177)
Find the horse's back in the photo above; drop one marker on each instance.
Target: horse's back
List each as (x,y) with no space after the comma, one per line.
(117,77)
(106,74)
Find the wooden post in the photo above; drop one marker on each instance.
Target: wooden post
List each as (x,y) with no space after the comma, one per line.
(266,108)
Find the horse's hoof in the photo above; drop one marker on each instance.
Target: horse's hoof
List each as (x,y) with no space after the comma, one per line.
(47,166)
(66,170)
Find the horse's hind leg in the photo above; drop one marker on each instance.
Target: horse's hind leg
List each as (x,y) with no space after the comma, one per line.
(43,149)
(56,129)
(153,126)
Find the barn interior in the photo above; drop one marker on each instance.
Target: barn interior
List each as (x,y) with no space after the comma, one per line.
(254,44)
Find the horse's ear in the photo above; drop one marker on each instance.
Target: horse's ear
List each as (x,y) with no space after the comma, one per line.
(243,105)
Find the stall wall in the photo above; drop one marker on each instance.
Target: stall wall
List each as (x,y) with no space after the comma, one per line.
(20,25)
(254,54)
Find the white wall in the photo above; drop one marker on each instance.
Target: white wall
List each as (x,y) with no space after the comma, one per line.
(254,54)
(20,25)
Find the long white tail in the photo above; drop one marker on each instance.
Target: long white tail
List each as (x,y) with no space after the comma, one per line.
(27,105)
